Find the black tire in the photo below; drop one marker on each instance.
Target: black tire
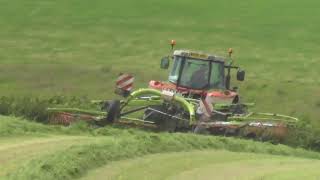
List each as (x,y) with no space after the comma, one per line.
(167,125)
(239,109)
(113,109)
(200,129)
(164,123)
(154,116)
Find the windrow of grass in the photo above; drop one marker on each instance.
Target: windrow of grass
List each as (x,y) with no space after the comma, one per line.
(35,109)
(129,143)
(208,164)
(14,126)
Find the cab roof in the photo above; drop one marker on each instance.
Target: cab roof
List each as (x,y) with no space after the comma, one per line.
(197,55)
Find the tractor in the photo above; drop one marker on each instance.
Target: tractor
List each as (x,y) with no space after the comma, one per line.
(197,97)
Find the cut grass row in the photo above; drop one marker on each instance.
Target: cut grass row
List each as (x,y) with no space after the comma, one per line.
(15,151)
(304,135)
(12,127)
(76,160)
(208,164)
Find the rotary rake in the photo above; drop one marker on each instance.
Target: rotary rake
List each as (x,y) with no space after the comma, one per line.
(197,97)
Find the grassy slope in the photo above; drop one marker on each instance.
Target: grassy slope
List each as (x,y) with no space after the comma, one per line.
(55,153)
(78,47)
(208,165)
(21,141)
(21,149)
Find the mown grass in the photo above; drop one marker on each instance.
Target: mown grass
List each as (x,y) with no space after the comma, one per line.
(35,109)
(12,127)
(208,164)
(79,47)
(122,144)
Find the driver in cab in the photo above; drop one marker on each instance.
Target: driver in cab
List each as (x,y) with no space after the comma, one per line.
(199,78)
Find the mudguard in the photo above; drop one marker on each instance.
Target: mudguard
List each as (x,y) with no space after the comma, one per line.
(178,99)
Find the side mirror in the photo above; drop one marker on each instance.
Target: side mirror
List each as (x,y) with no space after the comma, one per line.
(165,63)
(240,75)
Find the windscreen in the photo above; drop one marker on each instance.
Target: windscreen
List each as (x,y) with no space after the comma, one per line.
(195,73)
(217,75)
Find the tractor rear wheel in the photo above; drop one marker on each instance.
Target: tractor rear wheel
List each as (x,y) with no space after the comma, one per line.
(150,115)
(167,125)
(163,122)
(113,111)
(200,129)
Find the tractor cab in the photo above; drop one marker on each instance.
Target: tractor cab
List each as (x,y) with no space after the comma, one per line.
(197,71)
(197,74)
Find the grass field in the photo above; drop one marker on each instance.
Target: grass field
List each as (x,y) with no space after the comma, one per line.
(79,47)
(208,165)
(34,151)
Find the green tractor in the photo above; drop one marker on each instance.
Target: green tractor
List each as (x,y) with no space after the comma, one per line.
(197,97)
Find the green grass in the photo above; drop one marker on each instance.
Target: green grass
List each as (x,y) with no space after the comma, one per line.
(51,153)
(79,47)
(19,150)
(211,164)
(12,127)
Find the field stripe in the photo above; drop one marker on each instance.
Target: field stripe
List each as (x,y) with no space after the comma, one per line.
(207,165)
(14,154)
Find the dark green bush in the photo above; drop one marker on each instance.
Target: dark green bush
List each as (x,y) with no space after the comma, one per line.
(35,108)
(305,136)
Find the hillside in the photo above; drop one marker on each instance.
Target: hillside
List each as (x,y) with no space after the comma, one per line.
(65,53)
(79,47)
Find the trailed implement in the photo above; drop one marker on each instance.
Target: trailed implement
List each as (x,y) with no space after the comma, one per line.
(197,97)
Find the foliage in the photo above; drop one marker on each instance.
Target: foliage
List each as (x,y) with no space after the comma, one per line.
(35,108)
